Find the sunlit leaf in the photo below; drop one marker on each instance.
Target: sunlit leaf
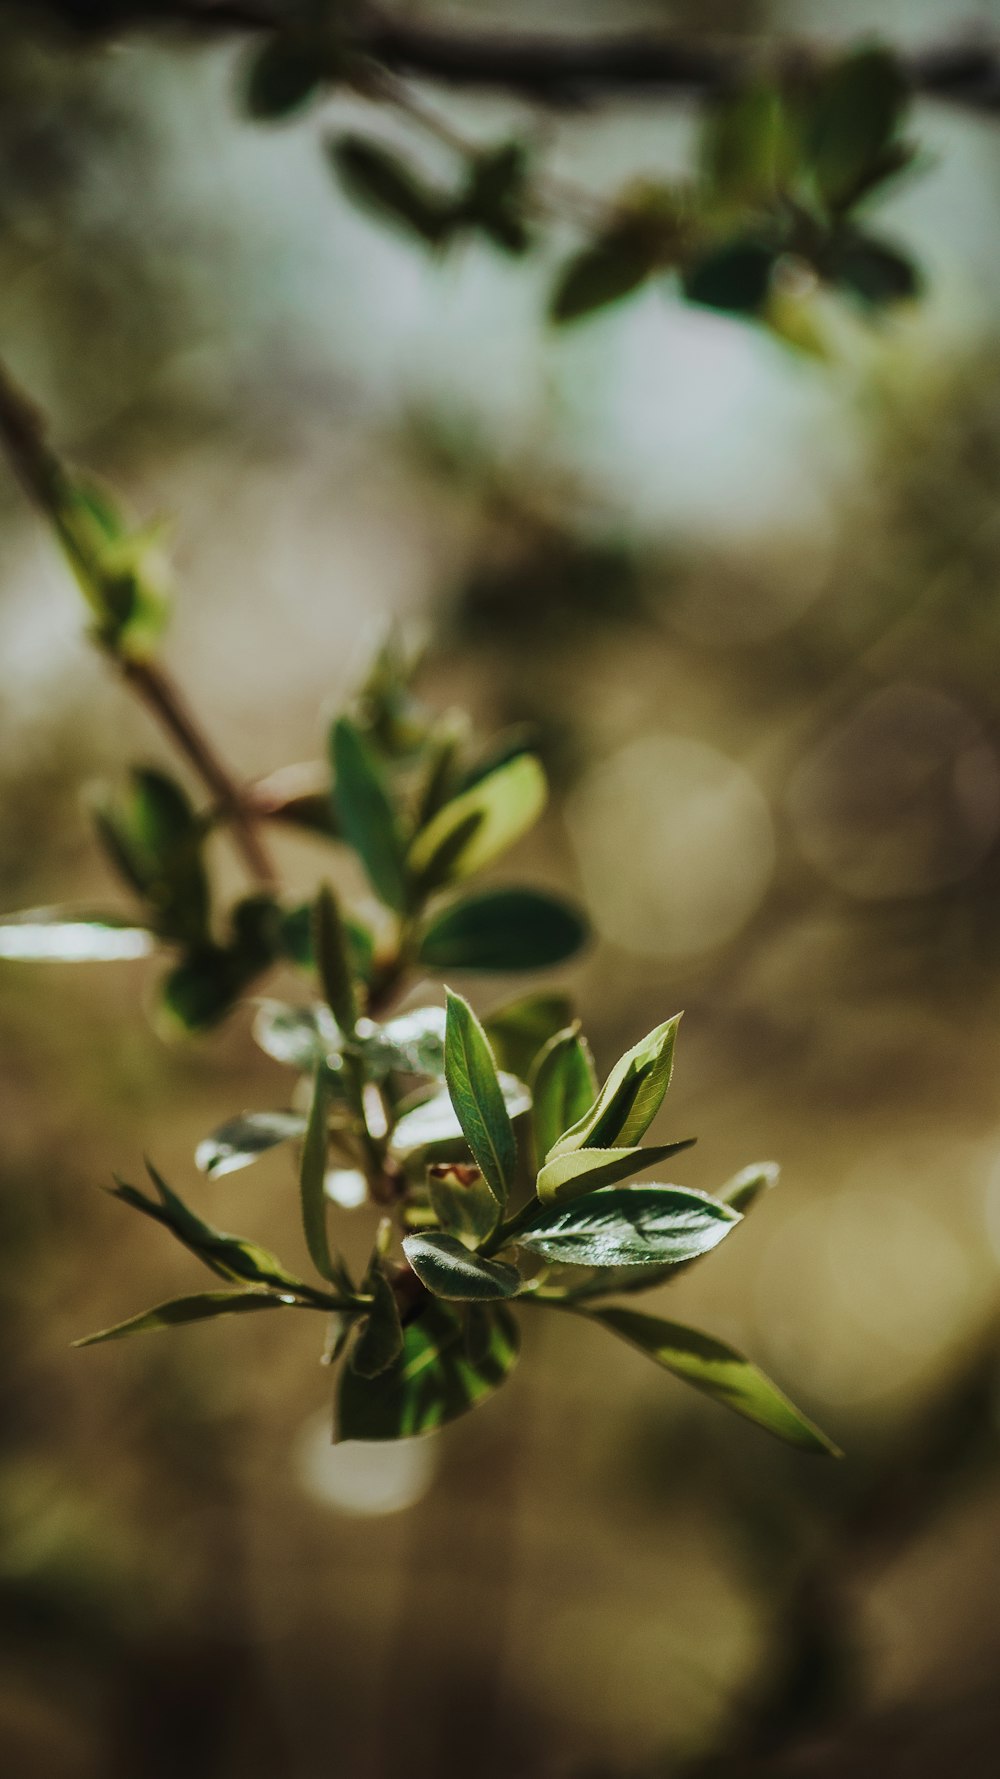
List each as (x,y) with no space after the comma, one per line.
(582,1170)
(563,1088)
(300,1037)
(200,1308)
(631,1096)
(241,1140)
(461,1201)
(721,1372)
(380,1336)
(477,1097)
(502,929)
(434,1123)
(312,1180)
(479,824)
(230,1256)
(446,1267)
(520,1029)
(629,1226)
(412,1042)
(45,934)
(746,1187)
(366,815)
(434,1381)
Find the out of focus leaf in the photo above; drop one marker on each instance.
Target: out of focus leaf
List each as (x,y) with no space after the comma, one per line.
(300,1037)
(296,939)
(604,272)
(493,201)
(413,1043)
(520,1029)
(743,143)
(563,1088)
(853,117)
(200,1308)
(735,277)
(42,934)
(381,182)
(333,960)
(366,816)
(312,1180)
(502,929)
(241,1140)
(446,1267)
(629,1226)
(283,75)
(719,1371)
(479,824)
(434,1380)
(746,1187)
(476,1095)
(155,839)
(874,273)
(571,1176)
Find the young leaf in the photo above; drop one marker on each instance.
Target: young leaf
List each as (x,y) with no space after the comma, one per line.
(480,823)
(333,960)
(43,934)
(367,819)
(519,1030)
(477,1097)
(200,1308)
(629,1226)
(462,1202)
(446,1267)
(721,1372)
(433,1123)
(502,929)
(581,1170)
(433,1381)
(380,1337)
(241,1140)
(311,1181)
(746,1187)
(229,1256)
(630,1098)
(563,1088)
(299,1037)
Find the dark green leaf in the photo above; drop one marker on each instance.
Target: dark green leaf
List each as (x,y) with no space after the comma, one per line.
(746,1187)
(629,1226)
(482,822)
(433,1382)
(380,182)
(44,934)
(719,1371)
(230,1256)
(312,1176)
(199,991)
(502,929)
(874,273)
(446,1267)
(461,1201)
(432,1124)
(494,198)
(296,939)
(240,1140)
(477,1097)
(520,1029)
(333,960)
(631,1096)
(284,74)
(603,273)
(155,840)
(581,1170)
(852,120)
(735,277)
(380,1337)
(200,1308)
(366,815)
(563,1088)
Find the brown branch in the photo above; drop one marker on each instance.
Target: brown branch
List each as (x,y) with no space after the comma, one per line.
(45,480)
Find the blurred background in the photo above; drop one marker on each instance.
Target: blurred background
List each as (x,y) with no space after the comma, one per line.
(750,600)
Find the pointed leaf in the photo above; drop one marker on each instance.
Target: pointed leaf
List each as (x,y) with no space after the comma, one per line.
(721,1372)
(199,1308)
(503,929)
(563,1088)
(380,1337)
(519,1030)
(446,1267)
(747,1186)
(629,1226)
(435,1122)
(433,1382)
(43,934)
(631,1096)
(571,1176)
(230,1256)
(333,959)
(312,1180)
(240,1140)
(485,820)
(367,819)
(478,1099)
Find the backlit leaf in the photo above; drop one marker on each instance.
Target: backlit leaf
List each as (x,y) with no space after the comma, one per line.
(502,929)
(631,1096)
(366,815)
(200,1308)
(477,1097)
(483,821)
(434,1380)
(563,1088)
(629,1226)
(582,1170)
(44,935)
(241,1140)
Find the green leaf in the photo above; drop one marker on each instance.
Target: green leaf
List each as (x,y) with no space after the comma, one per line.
(519,1030)
(44,934)
(735,277)
(365,812)
(333,960)
(743,145)
(629,1226)
(446,1267)
(477,1097)
(433,1382)
(873,272)
(155,840)
(563,1088)
(412,1043)
(462,1202)
(311,1179)
(494,197)
(502,929)
(296,938)
(480,823)
(433,1123)
(719,1371)
(381,182)
(241,1140)
(746,1187)
(852,121)
(284,74)
(230,1256)
(380,1336)
(581,1170)
(200,990)
(631,1096)
(299,1037)
(199,1308)
(603,273)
